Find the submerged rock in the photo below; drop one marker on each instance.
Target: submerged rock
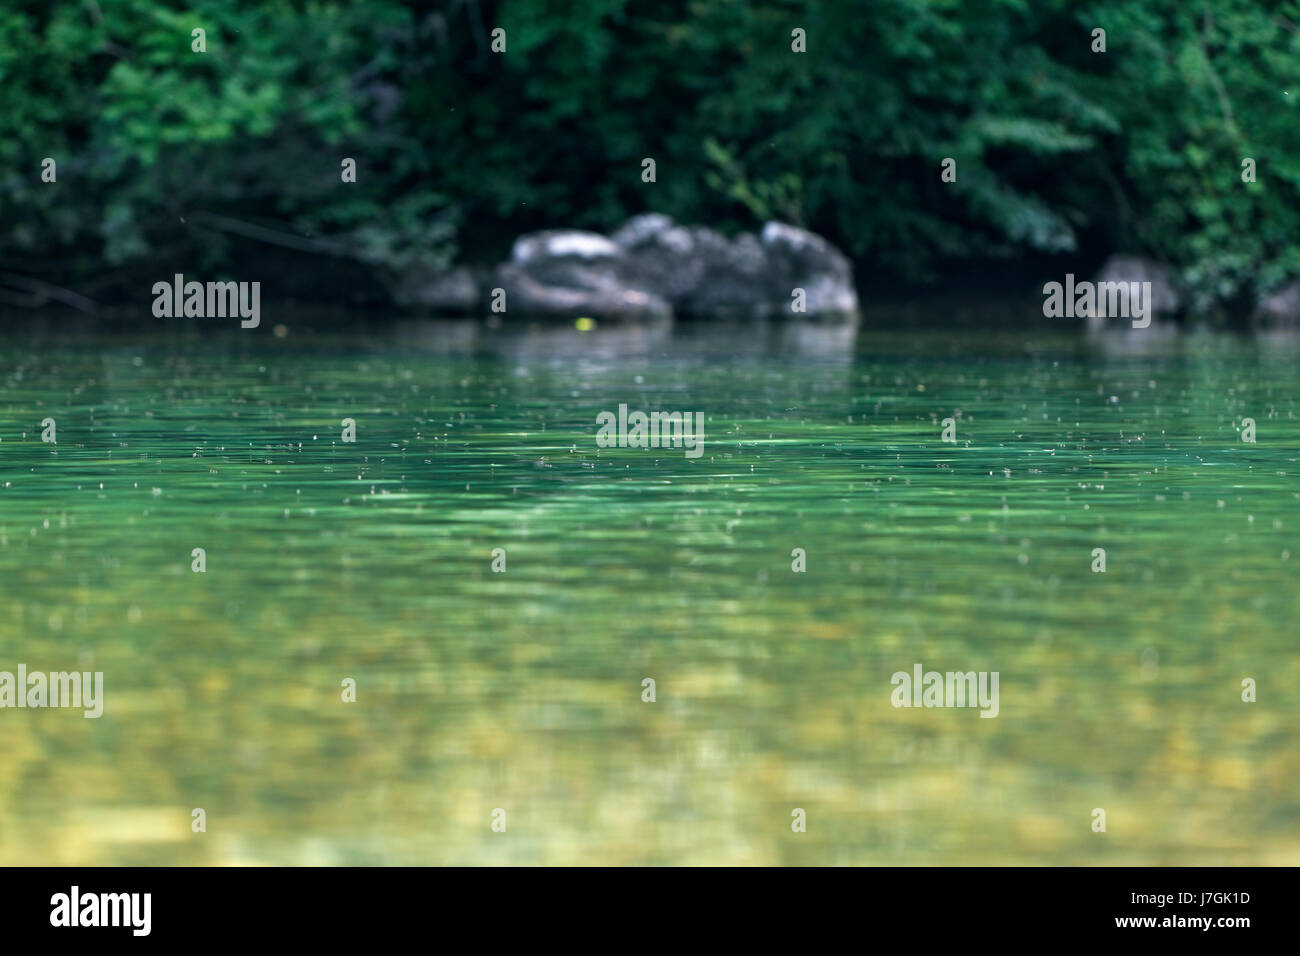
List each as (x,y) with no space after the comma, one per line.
(652,266)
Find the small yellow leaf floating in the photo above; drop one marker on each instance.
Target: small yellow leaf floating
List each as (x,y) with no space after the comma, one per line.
(585,324)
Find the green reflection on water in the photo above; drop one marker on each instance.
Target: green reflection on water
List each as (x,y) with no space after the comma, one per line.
(522,690)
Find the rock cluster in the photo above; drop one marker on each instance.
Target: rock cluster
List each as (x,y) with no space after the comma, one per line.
(652,268)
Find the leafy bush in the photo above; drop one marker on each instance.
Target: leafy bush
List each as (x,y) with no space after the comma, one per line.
(165,152)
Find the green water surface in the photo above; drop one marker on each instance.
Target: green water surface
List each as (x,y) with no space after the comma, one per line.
(522,690)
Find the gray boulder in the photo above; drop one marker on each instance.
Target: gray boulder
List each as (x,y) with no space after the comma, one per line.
(1165,300)
(562,244)
(699,271)
(570,274)
(652,266)
(703,273)
(801,259)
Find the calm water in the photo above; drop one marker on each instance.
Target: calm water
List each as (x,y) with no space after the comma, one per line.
(522,690)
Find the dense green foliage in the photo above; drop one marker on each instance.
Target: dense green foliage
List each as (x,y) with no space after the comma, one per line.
(168,155)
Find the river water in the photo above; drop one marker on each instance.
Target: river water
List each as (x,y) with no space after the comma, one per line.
(522,689)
